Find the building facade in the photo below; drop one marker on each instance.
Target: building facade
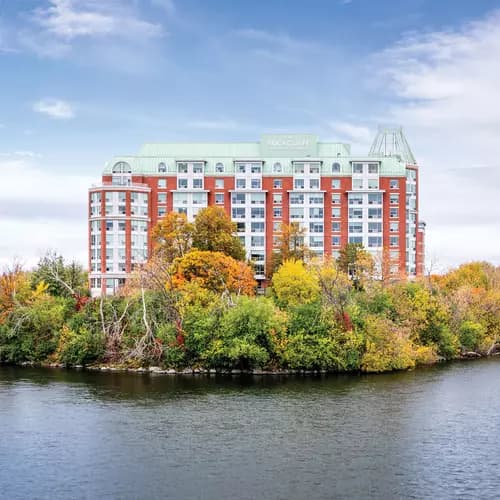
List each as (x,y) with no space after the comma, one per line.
(336,197)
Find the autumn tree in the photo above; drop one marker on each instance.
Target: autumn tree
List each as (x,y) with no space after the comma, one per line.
(290,245)
(172,236)
(356,262)
(214,231)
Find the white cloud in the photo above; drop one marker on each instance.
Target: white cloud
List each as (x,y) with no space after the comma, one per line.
(359,135)
(447,90)
(55,108)
(40,209)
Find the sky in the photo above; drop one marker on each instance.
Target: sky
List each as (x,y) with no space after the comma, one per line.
(84,80)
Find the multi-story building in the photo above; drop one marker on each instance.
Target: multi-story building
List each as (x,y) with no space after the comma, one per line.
(336,197)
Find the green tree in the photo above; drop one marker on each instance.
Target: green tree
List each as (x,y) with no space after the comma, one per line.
(356,262)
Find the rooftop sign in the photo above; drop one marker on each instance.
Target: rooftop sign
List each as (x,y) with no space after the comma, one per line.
(288,145)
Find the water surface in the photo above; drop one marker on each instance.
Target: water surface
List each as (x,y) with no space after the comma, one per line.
(430,433)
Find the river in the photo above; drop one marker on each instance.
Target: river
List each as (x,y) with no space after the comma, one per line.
(429,433)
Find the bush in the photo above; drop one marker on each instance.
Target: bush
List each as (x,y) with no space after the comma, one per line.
(82,347)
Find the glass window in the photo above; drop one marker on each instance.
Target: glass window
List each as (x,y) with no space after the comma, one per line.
(121,226)
(315,241)
(336,198)
(162,211)
(357,168)
(257,241)
(257,227)
(219,198)
(316,199)
(162,183)
(375,198)
(336,241)
(241,168)
(219,183)
(374,213)
(394,227)
(335,227)
(277,212)
(277,184)
(162,197)
(238,212)
(355,199)
(256,169)
(357,183)
(373,183)
(336,212)
(315,213)
(197,168)
(257,213)
(356,239)
(162,168)
(313,183)
(374,227)
(314,169)
(276,227)
(238,198)
(240,183)
(197,183)
(374,241)
(277,167)
(394,241)
(182,168)
(355,213)
(335,183)
(109,225)
(256,183)
(219,167)
(298,184)
(373,168)
(277,199)
(335,168)
(182,183)
(394,199)
(315,227)
(296,213)
(394,213)
(240,228)
(394,183)
(257,198)
(355,227)
(296,199)
(298,168)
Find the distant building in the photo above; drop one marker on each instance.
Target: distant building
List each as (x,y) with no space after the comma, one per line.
(337,197)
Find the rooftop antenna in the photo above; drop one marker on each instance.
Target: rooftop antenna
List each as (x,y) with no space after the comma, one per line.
(391,141)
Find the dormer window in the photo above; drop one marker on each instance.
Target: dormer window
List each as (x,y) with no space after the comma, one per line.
(162,168)
(335,168)
(277,167)
(219,167)
(122,167)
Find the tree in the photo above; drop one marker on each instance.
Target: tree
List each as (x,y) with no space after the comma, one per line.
(62,280)
(214,271)
(214,231)
(293,284)
(172,236)
(290,245)
(356,262)
(14,289)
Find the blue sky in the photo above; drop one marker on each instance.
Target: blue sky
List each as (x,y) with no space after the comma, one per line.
(83,80)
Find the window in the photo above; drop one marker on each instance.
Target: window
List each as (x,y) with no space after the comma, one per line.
(238,198)
(182,183)
(355,213)
(277,199)
(257,227)
(257,213)
(240,183)
(298,168)
(219,183)
(219,198)
(313,183)
(314,169)
(219,167)
(355,227)
(374,213)
(256,183)
(336,198)
(162,197)
(335,227)
(238,213)
(240,228)
(372,183)
(277,212)
(296,213)
(335,168)
(315,213)
(374,198)
(162,183)
(394,199)
(374,241)
(197,168)
(393,227)
(276,227)
(357,168)
(257,241)
(315,200)
(357,183)
(121,167)
(199,198)
(336,241)
(315,241)
(394,183)
(355,199)
(256,169)
(121,226)
(162,168)
(374,227)
(315,227)
(296,199)
(277,167)
(182,168)
(109,225)
(298,184)
(162,211)
(197,183)
(257,198)
(277,184)
(394,254)
(241,168)
(373,168)
(394,241)
(356,239)
(394,213)
(336,213)
(335,183)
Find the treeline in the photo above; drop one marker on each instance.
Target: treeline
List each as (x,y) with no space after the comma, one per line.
(194,305)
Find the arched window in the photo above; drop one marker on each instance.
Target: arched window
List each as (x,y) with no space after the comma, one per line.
(162,167)
(122,167)
(219,167)
(277,167)
(335,168)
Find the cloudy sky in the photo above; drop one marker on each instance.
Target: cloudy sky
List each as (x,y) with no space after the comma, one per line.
(84,80)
